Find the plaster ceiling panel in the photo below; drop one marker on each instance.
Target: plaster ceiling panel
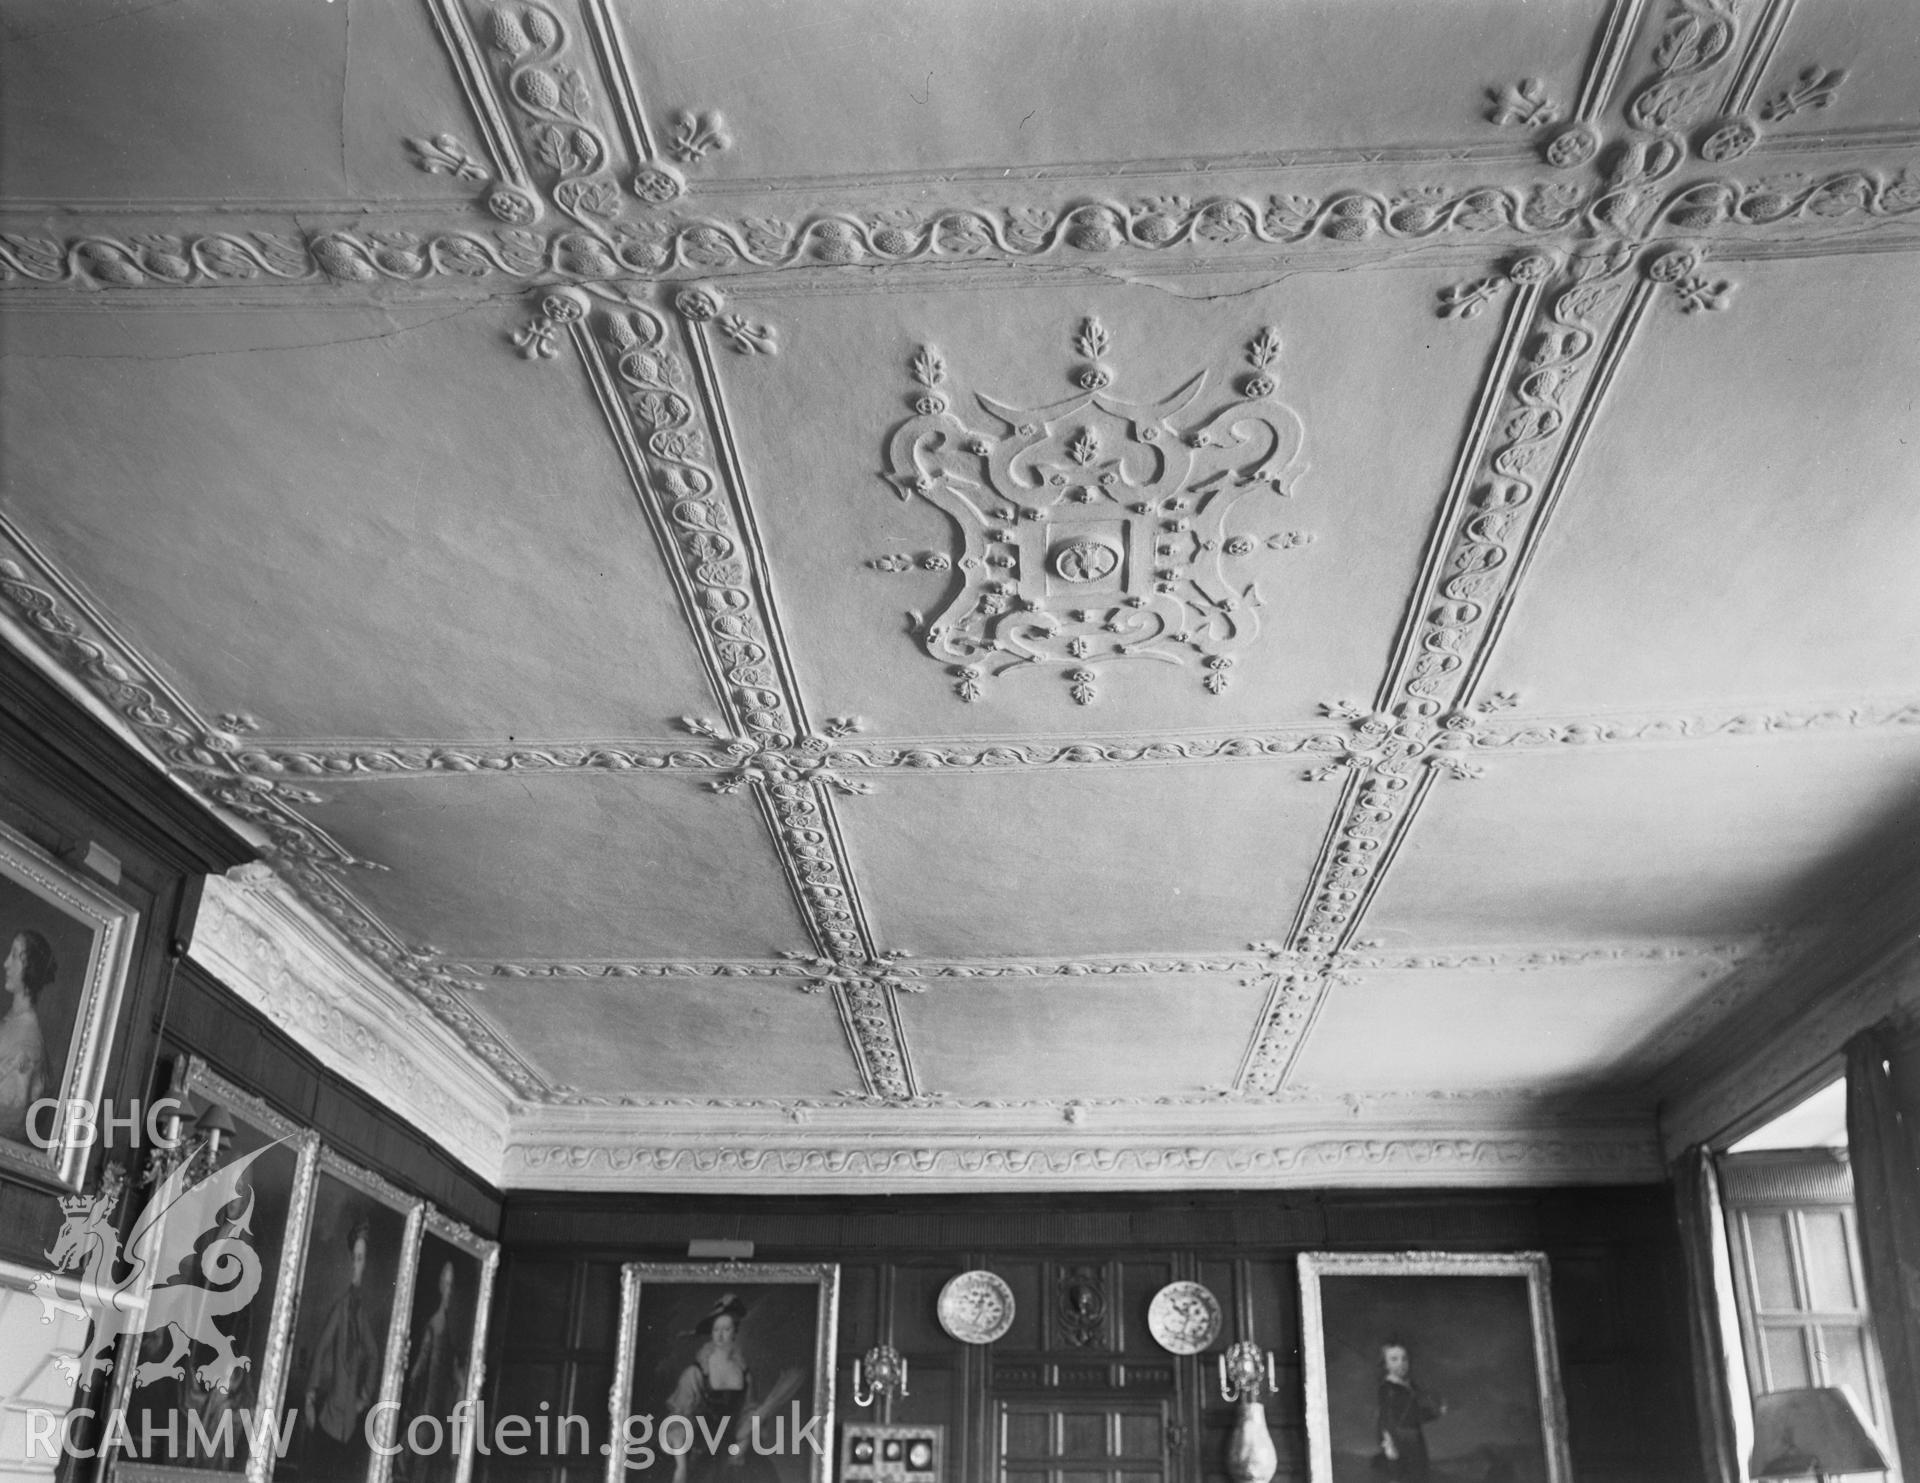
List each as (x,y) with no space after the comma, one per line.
(1059,1038)
(1685,841)
(560,868)
(937,86)
(1381,386)
(1875,45)
(201,99)
(674,1038)
(400,85)
(1428,1029)
(1123,860)
(1752,485)
(383,524)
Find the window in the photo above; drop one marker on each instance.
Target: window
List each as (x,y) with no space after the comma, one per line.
(1797,1275)
(1807,1324)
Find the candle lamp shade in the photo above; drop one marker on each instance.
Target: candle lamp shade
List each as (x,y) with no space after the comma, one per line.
(1816,1433)
(216,1125)
(216,1119)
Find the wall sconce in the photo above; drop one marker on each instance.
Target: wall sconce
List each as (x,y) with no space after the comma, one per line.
(1246,1372)
(194,1142)
(1244,1369)
(884,1374)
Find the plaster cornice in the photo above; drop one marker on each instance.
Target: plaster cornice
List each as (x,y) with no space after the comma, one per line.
(1620,1154)
(276,956)
(272,952)
(196,752)
(1708,1109)
(1833,985)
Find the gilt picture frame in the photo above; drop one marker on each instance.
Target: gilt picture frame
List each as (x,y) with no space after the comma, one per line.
(350,1325)
(281,1186)
(1432,1365)
(719,1343)
(445,1357)
(68,945)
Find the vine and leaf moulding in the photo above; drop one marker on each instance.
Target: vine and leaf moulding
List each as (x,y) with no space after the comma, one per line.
(530,77)
(1385,742)
(1095,529)
(1669,121)
(555,108)
(680,249)
(546,90)
(1668,113)
(1699,54)
(1079,231)
(670,420)
(347,761)
(1573,317)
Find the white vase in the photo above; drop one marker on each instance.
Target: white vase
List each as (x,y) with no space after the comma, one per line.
(1250,1454)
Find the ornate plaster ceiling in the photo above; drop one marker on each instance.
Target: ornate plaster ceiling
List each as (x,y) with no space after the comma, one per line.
(906,593)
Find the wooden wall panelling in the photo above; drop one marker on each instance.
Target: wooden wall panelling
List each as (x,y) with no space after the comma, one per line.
(590,1367)
(1616,1300)
(67,782)
(538,1321)
(203,1016)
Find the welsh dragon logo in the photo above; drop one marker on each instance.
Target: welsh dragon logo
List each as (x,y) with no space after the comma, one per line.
(162,1257)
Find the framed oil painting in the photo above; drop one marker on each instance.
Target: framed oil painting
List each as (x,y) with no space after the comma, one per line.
(67,946)
(1431,1367)
(350,1327)
(263,1223)
(724,1373)
(446,1340)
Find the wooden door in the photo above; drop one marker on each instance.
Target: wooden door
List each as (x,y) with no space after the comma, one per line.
(1092,1441)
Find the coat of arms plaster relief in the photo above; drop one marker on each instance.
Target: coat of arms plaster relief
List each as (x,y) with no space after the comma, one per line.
(1096,529)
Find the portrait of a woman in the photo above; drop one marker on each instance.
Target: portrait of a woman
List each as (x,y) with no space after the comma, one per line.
(709,1349)
(25,1076)
(718,1393)
(65,952)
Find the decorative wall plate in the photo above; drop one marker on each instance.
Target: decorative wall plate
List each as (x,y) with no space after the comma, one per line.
(1184,1318)
(976,1307)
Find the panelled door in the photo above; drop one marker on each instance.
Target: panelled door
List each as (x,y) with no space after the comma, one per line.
(1093,1441)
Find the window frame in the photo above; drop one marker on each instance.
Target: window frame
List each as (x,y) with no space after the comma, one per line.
(1795,1184)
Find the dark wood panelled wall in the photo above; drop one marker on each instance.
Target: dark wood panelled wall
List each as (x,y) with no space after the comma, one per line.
(68,784)
(1617,1296)
(206,1018)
